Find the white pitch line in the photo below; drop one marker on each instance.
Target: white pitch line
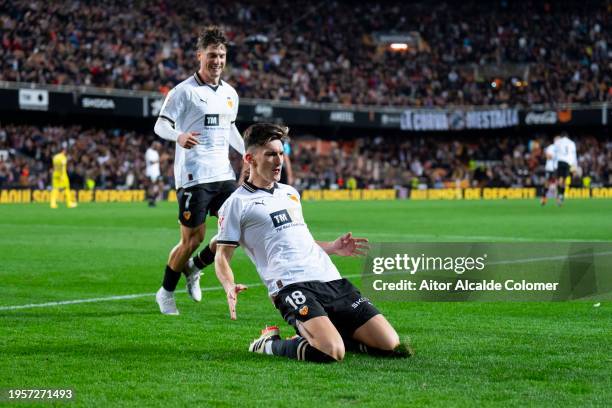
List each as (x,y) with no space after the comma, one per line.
(119,297)
(209,289)
(549,258)
(100,299)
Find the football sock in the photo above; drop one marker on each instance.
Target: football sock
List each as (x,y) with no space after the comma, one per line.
(171,279)
(298,348)
(401,351)
(204,258)
(561,190)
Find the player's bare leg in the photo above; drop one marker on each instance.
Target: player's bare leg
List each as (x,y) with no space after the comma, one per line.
(203,258)
(190,240)
(377,333)
(322,335)
(319,342)
(377,337)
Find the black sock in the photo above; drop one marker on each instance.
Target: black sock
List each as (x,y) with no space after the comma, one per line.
(299,349)
(204,258)
(354,346)
(171,279)
(561,190)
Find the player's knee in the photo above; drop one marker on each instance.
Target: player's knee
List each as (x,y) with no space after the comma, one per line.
(338,351)
(193,244)
(334,349)
(389,342)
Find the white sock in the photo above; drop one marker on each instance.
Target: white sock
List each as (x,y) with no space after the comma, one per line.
(268,347)
(191,268)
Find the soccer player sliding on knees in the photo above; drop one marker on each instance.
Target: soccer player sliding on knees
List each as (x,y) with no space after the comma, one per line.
(265,217)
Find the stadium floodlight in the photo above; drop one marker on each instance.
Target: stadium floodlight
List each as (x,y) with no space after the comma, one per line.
(398,47)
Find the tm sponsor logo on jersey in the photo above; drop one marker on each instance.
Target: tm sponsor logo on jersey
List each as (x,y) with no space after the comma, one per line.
(211,120)
(286,218)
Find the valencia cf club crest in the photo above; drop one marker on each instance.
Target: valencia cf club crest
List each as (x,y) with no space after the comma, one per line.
(303,310)
(186,215)
(293,197)
(230,103)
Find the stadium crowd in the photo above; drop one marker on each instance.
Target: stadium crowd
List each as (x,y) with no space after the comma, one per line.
(115,159)
(323,51)
(423,162)
(97,158)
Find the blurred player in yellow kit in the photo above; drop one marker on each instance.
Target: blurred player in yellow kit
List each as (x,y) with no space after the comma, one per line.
(60,179)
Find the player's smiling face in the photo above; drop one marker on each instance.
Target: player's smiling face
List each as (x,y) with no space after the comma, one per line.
(266,163)
(212,62)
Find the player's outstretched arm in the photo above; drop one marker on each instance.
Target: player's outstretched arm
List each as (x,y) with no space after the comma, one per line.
(226,276)
(346,245)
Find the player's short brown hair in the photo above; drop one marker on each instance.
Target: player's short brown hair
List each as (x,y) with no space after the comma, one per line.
(260,134)
(212,35)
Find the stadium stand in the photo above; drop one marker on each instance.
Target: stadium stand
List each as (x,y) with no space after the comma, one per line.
(504,54)
(115,159)
(510,53)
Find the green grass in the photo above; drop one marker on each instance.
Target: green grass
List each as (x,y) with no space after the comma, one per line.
(123,352)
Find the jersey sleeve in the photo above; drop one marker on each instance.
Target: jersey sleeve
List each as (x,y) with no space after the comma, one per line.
(230,215)
(173,105)
(235,112)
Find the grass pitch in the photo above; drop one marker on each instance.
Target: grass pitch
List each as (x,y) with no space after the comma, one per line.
(123,352)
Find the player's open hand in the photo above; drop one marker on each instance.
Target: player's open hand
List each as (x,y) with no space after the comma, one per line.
(188,139)
(347,245)
(232,298)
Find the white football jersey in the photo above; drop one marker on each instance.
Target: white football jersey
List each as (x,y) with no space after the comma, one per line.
(152,164)
(551,162)
(565,151)
(270,227)
(193,106)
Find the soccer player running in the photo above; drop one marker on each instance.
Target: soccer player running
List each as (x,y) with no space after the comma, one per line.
(153,172)
(327,311)
(60,180)
(199,115)
(549,168)
(565,154)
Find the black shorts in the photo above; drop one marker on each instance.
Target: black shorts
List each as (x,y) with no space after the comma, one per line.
(339,300)
(563,169)
(197,201)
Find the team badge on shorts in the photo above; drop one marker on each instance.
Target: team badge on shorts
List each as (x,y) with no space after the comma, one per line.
(303,310)
(187,215)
